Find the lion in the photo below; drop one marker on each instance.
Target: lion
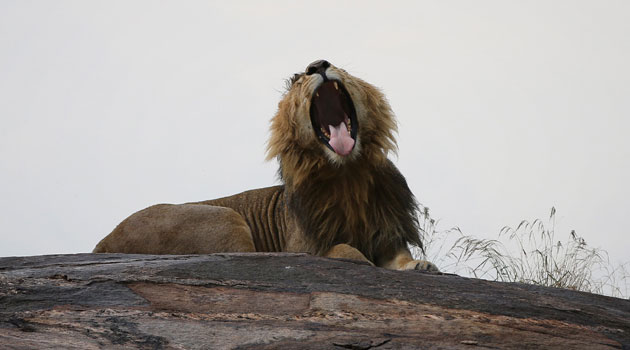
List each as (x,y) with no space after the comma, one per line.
(341,196)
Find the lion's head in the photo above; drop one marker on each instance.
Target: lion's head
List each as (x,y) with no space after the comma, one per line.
(332,134)
(328,115)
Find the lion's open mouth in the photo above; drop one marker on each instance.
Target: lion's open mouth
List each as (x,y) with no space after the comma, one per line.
(334,118)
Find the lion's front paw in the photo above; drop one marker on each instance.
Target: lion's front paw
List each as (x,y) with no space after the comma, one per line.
(421,265)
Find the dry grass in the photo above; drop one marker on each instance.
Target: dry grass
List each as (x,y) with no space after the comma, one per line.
(529,253)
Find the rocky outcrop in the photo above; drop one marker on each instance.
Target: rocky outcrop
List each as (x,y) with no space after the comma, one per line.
(286,301)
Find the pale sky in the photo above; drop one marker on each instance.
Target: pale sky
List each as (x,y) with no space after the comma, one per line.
(505,108)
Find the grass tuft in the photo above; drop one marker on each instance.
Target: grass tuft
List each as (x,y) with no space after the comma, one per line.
(529,253)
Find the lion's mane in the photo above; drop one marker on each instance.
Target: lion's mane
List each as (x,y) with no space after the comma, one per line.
(362,199)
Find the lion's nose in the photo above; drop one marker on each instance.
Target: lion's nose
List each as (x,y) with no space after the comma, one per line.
(317,67)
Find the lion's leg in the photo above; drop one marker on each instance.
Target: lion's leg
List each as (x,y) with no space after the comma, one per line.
(344,251)
(180,229)
(401,259)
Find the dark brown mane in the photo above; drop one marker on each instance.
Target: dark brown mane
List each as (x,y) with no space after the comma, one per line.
(360,205)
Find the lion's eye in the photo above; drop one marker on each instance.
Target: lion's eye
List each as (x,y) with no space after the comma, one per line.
(294,79)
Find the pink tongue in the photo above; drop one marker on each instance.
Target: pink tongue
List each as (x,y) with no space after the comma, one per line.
(340,139)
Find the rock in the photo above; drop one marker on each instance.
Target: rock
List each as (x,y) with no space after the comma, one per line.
(286,301)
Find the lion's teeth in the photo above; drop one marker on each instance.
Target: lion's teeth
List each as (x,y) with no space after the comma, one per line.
(336,86)
(317,94)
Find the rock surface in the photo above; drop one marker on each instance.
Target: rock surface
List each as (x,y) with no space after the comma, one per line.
(286,301)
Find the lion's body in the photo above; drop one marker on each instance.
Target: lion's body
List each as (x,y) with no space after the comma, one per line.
(344,200)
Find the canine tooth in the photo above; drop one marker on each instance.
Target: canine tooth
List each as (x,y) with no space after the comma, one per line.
(336,86)
(317,94)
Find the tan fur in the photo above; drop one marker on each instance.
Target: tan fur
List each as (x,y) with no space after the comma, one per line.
(356,206)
